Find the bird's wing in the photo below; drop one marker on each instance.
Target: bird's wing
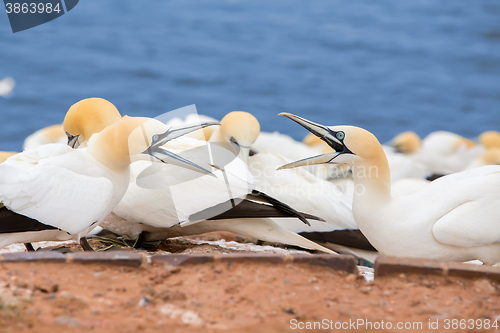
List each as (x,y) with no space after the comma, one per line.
(253,205)
(474,219)
(163,195)
(52,194)
(304,192)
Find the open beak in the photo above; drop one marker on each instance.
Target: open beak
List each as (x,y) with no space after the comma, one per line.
(162,154)
(325,134)
(73,140)
(177,131)
(322,132)
(321,159)
(165,156)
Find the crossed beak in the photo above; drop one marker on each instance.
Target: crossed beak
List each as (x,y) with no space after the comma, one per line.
(325,134)
(157,150)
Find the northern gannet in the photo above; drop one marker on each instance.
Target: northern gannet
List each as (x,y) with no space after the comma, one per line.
(53,192)
(453,218)
(164,201)
(441,152)
(297,188)
(490,139)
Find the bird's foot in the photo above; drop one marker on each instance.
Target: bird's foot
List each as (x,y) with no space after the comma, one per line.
(29,247)
(139,242)
(85,244)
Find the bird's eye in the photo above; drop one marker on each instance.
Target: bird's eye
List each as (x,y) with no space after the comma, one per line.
(155,137)
(340,135)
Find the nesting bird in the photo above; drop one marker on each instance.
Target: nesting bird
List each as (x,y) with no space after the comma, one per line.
(163,201)
(53,192)
(441,152)
(490,139)
(453,218)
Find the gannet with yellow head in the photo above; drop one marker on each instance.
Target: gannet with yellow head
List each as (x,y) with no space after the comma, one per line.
(441,152)
(53,192)
(454,218)
(163,201)
(407,143)
(490,139)
(239,129)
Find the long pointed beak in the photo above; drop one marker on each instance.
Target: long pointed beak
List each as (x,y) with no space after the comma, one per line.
(177,131)
(316,129)
(321,159)
(157,151)
(321,131)
(166,156)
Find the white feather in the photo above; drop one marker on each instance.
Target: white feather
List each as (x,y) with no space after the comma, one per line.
(58,186)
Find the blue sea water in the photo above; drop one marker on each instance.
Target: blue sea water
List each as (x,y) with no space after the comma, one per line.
(387,66)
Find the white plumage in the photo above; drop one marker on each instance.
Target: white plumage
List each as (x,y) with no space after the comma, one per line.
(452,218)
(58,186)
(53,192)
(62,187)
(166,201)
(305,192)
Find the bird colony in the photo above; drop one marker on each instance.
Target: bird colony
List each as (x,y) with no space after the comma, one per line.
(338,191)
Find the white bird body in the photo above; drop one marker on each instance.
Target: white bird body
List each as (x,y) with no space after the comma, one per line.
(50,134)
(445,152)
(407,186)
(165,195)
(268,230)
(403,166)
(164,212)
(53,192)
(305,192)
(490,157)
(331,200)
(283,144)
(287,147)
(161,200)
(452,218)
(61,187)
(440,152)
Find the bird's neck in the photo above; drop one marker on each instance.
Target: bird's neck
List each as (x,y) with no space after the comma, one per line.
(217,136)
(372,179)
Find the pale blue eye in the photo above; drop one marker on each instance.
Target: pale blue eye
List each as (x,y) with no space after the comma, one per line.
(155,137)
(340,135)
